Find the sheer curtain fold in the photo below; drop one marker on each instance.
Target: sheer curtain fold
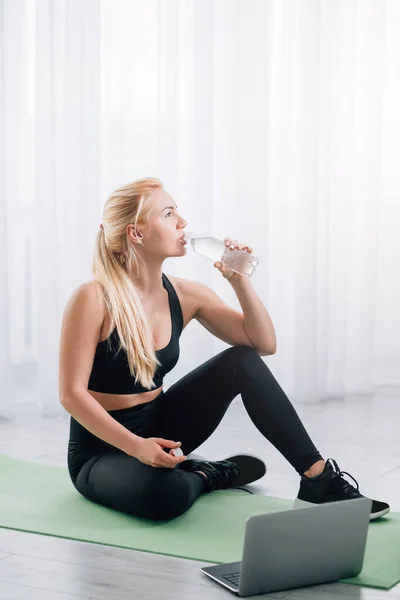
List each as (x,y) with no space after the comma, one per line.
(11,101)
(270,121)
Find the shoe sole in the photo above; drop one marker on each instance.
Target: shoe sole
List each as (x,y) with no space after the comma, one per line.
(302,504)
(251,468)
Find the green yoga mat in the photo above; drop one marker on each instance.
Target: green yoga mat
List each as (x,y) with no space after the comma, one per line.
(41,499)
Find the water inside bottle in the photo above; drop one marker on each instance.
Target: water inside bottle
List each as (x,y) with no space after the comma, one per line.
(240,261)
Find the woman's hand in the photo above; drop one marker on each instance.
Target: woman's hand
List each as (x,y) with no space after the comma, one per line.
(230,275)
(150,452)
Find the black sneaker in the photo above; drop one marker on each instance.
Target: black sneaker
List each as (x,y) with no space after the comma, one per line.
(330,486)
(222,474)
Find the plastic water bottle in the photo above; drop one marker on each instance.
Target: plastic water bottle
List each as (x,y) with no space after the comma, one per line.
(238,261)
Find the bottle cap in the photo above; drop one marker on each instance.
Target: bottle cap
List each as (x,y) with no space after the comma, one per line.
(177,452)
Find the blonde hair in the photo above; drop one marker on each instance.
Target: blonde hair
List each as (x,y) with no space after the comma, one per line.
(114,257)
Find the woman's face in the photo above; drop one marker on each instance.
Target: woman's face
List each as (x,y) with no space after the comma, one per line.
(163,235)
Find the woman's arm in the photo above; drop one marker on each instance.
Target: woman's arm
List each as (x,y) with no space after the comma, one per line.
(257,322)
(91,415)
(80,333)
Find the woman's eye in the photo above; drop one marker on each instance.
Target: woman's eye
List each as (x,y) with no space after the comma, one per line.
(170,213)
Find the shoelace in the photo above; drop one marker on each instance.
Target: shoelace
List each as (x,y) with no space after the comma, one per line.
(229,470)
(226,469)
(237,487)
(347,488)
(227,466)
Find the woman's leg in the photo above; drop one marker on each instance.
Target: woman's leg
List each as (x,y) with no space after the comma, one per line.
(122,482)
(189,411)
(108,476)
(192,408)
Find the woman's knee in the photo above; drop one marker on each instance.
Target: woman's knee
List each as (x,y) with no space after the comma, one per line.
(248,363)
(242,354)
(79,474)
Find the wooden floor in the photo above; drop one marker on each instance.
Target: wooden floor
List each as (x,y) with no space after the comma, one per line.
(361,434)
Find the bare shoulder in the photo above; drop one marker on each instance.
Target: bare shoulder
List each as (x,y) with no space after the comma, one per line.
(187,287)
(93,289)
(193,293)
(88,294)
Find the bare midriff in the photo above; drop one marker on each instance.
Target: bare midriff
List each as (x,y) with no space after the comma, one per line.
(118,401)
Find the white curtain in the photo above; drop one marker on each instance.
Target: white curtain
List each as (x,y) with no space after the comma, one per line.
(275,122)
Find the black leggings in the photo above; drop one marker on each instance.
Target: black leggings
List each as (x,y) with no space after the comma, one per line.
(189,411)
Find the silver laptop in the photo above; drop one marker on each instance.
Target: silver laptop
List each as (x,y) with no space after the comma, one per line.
(298,547)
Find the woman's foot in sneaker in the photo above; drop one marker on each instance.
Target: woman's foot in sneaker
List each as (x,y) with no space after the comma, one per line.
(222,474)
(330,486)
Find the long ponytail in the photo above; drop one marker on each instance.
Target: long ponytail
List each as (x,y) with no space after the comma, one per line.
(114,258)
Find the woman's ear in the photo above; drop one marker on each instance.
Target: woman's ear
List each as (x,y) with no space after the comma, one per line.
(133,233)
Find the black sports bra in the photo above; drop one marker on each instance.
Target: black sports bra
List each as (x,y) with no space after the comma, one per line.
(110,372)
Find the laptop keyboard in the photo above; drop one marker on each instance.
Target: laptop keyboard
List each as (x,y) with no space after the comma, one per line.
(233,578)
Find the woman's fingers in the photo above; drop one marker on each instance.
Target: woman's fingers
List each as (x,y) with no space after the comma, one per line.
(235,245)
(170,461)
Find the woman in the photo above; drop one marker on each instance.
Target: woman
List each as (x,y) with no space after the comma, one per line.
(120,336)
